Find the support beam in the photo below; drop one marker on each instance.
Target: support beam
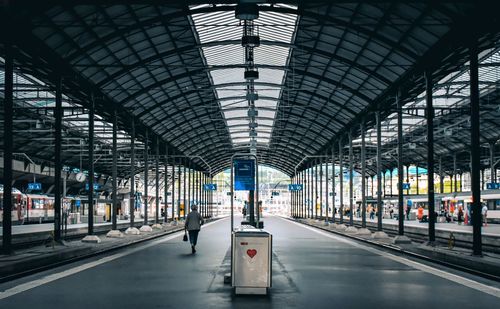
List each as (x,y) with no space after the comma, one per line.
(475,151)
(178,201)
(320,200)
(91,168)
(363,175)
(430,155)
(8,107)
(493,171)
(146,176)
(157,187)
(379,172)
(173,188)
(401,213)
(165,188)
(132,174)
(333,184)
(184,193)
(58,113)
(341,179)
(114,171)
(351,181)
(417,182)
(326,188)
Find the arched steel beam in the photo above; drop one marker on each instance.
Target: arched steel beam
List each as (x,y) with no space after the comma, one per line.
(170,79)
(300,116)
(299,124)
(205,103)
(179,51)
(161,19)
(203,140)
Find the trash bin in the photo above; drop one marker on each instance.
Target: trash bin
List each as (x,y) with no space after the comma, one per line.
(251,261)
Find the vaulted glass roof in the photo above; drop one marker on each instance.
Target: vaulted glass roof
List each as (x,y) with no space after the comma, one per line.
(176,68)
(228,72)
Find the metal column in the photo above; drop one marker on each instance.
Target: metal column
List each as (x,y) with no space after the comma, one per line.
(320,188)
(407,178)
(58,161)
(333,184)
(475,151)
(91,168)
(189,172)
(186,206)
(157,166)
(114,171)
(401,212)
(454,179)
(441,176)
(309,191)
(8,140)
(165,188)
(316,178)
(363,175)
(173,188)
(146,176)
(493,171)
(341,184)
(351,181)
(430,155)
(326,188)
(132,174)
(417,176)
(178,201)
(379,172)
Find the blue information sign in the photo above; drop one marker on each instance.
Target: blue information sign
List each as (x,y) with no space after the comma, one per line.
(275,193)
(210,187)
(96,186)
(244,175)
(35,186)
(493,186)
(406,186)
(295,187)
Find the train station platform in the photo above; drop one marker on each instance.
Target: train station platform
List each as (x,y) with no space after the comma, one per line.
(311,268)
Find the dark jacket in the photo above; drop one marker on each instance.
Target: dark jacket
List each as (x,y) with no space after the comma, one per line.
(194,221)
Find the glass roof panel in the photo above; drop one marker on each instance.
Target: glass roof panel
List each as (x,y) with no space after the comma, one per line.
(270,60)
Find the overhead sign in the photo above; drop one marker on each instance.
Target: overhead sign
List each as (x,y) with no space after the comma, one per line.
(210,187)
(493,186)
(295,187)
(244,175)
(406,186)
(96,186)
(35,186)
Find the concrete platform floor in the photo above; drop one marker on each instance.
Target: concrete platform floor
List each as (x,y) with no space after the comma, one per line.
(312,269)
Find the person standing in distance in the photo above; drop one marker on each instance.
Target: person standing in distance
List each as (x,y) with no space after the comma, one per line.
(194,221)
(484,213)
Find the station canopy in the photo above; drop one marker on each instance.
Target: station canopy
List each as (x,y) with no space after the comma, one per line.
(176,68)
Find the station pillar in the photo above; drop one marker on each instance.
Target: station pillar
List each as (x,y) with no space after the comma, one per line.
(430,155)
(58,113)
(341,180)
(475,150)
(8,140)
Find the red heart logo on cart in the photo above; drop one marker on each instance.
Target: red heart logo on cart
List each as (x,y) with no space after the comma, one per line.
(251,253)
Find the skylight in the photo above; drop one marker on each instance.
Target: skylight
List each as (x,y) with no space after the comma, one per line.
(270,59)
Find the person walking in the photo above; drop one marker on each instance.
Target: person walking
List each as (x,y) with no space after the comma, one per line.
(194,221)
